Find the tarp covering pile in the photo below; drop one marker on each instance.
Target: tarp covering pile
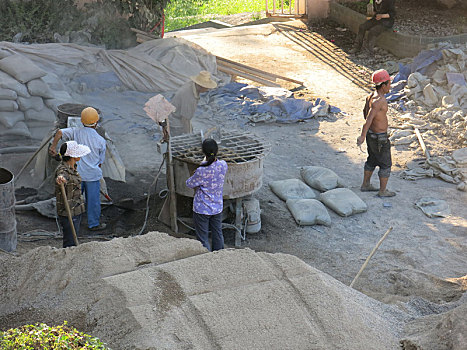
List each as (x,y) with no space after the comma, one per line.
(35,79)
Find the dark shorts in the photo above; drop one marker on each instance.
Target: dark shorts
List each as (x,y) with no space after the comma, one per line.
(379,153)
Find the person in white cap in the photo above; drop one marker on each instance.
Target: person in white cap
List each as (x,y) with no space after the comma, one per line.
(186,100)
(90,166)
(66,173)
(375,131)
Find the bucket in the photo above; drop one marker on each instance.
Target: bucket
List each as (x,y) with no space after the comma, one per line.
(69,110)
(8,238)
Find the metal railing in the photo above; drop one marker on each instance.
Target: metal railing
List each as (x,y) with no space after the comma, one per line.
(286,8)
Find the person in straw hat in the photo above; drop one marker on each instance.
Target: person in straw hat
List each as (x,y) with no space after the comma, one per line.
(69,155)
(185,101)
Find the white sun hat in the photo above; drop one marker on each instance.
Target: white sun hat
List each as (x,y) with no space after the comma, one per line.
(75,150)
(204,79)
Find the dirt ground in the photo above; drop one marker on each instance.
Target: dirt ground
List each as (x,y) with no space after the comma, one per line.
(421,258)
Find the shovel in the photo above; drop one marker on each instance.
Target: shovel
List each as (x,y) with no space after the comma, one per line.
(68,211)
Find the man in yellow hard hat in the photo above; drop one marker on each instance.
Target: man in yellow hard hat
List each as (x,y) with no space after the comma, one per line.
(186,100)
(90,165)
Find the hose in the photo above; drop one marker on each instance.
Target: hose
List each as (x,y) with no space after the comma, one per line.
(149,196)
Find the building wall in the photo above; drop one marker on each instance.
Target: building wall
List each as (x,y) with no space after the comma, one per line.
(317,9)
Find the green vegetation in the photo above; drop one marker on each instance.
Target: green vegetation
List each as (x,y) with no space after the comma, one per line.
(183,13)
(38,20)
(43,337)
(359,6)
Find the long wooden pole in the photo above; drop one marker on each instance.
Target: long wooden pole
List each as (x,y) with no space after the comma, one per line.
(33,156)
(171,184)
(256,71)
(369,256)
(68,211)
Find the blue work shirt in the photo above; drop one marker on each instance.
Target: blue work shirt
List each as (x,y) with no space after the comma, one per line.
(88,166)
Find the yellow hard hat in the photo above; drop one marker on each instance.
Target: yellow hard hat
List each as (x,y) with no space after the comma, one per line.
(89,116)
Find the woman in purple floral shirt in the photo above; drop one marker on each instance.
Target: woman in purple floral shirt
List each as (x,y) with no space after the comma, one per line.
(208,182)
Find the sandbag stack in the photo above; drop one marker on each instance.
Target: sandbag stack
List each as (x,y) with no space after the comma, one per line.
(28,105)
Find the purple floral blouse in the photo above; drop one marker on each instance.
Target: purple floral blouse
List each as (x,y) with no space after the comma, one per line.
(208,183)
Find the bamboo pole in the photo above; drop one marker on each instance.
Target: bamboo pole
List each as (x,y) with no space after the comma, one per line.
(369,257)
(68,211)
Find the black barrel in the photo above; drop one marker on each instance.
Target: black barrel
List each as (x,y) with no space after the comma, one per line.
(8,237)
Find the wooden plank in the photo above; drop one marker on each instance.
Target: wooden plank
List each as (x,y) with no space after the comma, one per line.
(264,75)
(257,71)
(143,33)
(422,144)
(248,76)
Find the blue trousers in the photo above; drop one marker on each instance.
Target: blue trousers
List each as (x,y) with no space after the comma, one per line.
(91,190)
(204,224)
(68,240)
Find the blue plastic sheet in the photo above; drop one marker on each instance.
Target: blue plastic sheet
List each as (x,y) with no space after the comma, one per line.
(244,100)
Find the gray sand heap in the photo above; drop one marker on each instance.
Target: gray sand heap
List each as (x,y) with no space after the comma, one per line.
(155,291)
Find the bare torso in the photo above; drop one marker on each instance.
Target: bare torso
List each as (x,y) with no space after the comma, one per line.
(378,109)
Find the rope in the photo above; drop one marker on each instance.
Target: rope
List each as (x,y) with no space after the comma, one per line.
(149,196)
(162,27)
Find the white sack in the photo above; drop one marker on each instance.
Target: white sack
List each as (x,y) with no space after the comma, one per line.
(8,94)
(7,82)
(343,201)
(322,179)
(292,189)
(19,129)
(8,106)
(33,102)
(9,119)
(38,87)
(309,212)
(21,68)
(53,81)
(45,114)
(433,207)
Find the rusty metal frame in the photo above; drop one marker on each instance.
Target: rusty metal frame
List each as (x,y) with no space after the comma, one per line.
(235,147)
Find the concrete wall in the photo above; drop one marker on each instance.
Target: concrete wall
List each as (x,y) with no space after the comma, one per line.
(399,44)
(317,9)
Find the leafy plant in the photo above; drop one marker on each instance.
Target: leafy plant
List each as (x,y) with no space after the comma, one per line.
(40,336)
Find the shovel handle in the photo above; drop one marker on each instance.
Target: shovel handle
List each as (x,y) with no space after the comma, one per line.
(68,211)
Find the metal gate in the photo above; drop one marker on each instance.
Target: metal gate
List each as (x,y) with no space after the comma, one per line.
(286,8)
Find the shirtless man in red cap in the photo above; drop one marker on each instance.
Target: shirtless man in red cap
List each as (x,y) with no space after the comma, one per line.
(375,132)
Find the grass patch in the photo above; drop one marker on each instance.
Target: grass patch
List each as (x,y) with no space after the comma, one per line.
(183,13)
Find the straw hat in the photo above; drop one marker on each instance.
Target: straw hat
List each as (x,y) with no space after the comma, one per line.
(204,79)
(75,150)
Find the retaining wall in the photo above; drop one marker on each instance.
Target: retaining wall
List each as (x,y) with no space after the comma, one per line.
(399,44)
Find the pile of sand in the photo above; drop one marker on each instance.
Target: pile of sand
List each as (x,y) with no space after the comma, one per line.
(155,291)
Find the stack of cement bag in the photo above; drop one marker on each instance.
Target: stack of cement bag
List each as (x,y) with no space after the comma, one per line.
(27,102)
(309,207)
(444,83)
